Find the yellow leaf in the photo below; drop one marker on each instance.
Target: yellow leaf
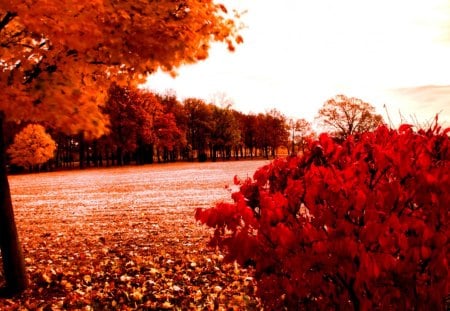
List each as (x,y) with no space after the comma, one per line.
(87,278)
(167,305)
(137,295)
(46,278)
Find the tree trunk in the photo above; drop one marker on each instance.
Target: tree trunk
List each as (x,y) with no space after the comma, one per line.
(150,154)
(13,263)
(58,152)
(82,150)
(119,156)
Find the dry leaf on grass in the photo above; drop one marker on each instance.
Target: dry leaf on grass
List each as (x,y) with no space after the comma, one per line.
(99,240)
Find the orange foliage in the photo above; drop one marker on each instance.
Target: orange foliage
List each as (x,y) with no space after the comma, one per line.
(32,146)
(57,61)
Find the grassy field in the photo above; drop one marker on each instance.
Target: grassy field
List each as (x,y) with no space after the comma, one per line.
(126,239)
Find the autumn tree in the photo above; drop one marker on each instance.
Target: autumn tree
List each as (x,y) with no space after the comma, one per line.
(262,134)
(58,59)
(163,134)
(346,116)
(167,135)
(225,132)
(302,132)
(272,132)
(199,116)
(130,120)
(240,148)
(249,130)
(32,146)
(174,107)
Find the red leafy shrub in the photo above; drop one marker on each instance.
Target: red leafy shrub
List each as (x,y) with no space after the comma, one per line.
(359,225)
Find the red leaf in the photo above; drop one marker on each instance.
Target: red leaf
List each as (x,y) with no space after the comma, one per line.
(405,128)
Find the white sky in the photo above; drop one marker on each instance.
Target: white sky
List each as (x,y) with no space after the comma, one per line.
(297,54)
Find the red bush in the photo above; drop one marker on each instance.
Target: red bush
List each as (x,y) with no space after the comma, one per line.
(359,225)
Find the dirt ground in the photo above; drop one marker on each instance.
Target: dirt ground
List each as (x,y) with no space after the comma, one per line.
(126,239)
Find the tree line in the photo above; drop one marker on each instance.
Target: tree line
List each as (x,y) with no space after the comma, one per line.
(145,127)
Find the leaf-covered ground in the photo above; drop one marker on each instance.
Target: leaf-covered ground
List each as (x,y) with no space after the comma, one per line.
(126,239)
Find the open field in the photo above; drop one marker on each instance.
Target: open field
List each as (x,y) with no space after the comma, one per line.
(126,239)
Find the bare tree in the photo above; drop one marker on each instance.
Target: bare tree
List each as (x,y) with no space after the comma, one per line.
(346,116)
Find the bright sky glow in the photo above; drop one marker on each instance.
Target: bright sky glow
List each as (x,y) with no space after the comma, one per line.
(297,54)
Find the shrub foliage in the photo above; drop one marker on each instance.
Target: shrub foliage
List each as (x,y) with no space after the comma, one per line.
(360,224)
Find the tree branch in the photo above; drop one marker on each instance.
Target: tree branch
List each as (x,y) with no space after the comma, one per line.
(9,16)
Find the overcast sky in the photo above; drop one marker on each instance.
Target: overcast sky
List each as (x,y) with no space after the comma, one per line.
(297,54)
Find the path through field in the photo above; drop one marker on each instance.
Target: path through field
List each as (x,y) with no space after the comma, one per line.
(126,238)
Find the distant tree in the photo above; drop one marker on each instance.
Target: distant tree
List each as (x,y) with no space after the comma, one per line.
(168,135)
(200,124)
(127,118)
(279,130)
(240,148)
(302,131)
(32,147)
(147,110)
(273,132)
(225,133)
(222,100)
(174,107)
(138,123)
(249,129)
(344,116)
